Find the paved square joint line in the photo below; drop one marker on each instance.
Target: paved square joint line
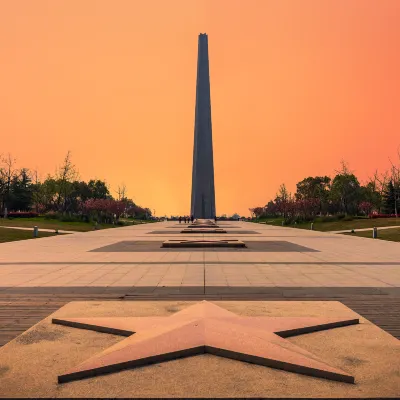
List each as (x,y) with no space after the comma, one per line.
(279,246)
(203,243)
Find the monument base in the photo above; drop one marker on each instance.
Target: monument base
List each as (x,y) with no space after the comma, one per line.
(203,230)
(31,363)
(203,226)
(203,243)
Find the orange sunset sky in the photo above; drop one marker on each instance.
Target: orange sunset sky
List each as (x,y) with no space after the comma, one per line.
(296,86)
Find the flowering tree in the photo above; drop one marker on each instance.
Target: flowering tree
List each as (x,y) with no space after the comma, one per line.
(103,210)
(133,210)
(290,208)
(366,207)
(258,211)
(307,208)
(271,209)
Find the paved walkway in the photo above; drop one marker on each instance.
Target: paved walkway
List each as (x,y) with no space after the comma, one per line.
(324,260)
(40,229)
(366,229)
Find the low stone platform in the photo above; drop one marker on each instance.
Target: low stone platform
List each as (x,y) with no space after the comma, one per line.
(205,226)
(235,232)
(203,243)
(203,230)
(154,246)
(220,225)
(31,364)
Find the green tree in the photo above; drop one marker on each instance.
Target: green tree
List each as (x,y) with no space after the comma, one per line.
(370,194)
(98,189)
(45,195)
(271,209)
(20,198)
(345,193)
(389,198)
(314,188)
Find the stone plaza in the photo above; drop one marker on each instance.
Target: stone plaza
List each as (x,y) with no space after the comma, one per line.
(279,260)
(281,271)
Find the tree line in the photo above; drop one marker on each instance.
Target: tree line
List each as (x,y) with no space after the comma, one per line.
(61,195)
(340,196)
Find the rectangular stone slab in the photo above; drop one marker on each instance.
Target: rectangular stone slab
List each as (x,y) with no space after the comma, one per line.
(251,246)
(215,226)
(178,232)
(31,363)
(197,226)
(202,230)
(203,243)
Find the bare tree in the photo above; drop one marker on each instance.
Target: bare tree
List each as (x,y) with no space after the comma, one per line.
(344,168)
(7,173)
(395,178)
(121,191)
(65,175)
(379,182)
(36,189)
(282,200)
(35,176)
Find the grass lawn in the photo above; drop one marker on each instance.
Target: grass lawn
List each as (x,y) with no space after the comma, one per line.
(392,235)
(341,225)
(43,223)
(10,235)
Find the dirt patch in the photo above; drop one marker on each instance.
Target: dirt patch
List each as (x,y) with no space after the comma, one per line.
(38,335)
(4,369)
(353,361)
(172,309)
(180,305)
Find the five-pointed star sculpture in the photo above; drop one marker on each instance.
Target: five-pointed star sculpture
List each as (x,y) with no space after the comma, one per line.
(206,328)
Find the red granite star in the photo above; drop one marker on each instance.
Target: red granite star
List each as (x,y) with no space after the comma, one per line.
(206,328)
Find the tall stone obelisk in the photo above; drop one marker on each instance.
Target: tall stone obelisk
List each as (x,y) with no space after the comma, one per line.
(203,192)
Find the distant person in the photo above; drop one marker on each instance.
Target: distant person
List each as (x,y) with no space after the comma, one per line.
(192,218)
(185,220)
(180,219)
(215,219)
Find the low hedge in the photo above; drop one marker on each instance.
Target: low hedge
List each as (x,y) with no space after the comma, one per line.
(383,216)
(20,214)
